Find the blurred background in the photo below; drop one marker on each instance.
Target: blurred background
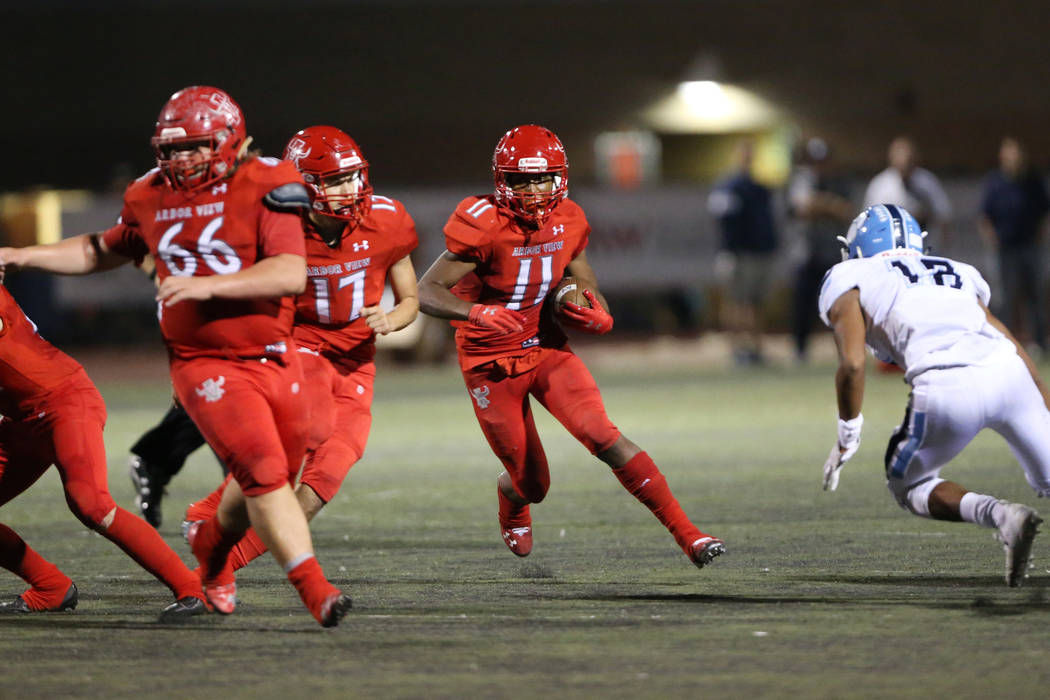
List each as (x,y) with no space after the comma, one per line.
(717,147)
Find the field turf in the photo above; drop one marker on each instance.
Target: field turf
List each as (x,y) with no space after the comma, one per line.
(821,595)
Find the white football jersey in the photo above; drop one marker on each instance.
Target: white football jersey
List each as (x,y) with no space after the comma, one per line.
(922,311)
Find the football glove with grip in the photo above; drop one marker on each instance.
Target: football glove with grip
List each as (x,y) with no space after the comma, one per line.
(844,448)
(496,317)
(593,319)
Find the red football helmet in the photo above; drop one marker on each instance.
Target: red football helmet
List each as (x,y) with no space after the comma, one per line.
(193,117)
(324,154)
(530,149)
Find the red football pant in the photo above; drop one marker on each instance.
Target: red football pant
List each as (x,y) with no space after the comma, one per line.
(340,400)
(340,418)
(48,584)
(565,387)
(65,429)
(252,412)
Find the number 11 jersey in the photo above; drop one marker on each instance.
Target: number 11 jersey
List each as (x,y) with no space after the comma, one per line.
(516,268)
(921,311)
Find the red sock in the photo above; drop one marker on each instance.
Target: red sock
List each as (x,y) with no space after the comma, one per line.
(212,545)
(512,514)
(207,506)
(149,550)
(642,478)
(250,547)
(313,587)
(48,583)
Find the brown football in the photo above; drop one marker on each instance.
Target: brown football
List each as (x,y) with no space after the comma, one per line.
(569,291)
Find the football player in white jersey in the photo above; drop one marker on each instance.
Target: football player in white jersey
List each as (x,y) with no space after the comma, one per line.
(930,316)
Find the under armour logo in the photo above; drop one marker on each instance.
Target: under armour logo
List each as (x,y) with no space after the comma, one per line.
(219,189)
(363,245)
(480,395)
(560,228)
(211,390)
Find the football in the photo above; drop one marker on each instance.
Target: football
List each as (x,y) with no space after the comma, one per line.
(569,291)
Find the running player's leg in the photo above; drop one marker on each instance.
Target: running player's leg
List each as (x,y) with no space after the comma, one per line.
(566,388)
(502,408)
(49,588)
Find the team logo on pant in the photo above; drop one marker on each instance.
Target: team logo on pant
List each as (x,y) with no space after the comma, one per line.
(480,395)
(212,389)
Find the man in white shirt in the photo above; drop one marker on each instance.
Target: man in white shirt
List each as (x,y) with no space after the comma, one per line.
(916,189)
(930,316)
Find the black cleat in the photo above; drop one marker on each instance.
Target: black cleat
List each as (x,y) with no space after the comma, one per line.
(183,609)
(18,605)
(148,493)
(335,609)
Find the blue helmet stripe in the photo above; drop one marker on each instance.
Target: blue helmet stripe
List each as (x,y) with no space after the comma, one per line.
(897,226)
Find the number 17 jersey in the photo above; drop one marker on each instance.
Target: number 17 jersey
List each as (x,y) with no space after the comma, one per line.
(922,312)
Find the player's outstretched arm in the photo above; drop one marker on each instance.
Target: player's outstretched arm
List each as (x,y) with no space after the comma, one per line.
(847,322)
(1020,351)
(436,298)
(402,277)
(276,276)
(78,255)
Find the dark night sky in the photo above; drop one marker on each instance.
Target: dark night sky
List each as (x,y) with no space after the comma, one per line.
(427,87)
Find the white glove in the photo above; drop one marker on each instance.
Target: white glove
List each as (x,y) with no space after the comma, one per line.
(844,448)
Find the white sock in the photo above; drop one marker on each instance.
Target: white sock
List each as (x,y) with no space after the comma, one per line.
(296,561)
(978,508)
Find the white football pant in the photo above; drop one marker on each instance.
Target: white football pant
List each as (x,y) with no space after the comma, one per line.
(948,407)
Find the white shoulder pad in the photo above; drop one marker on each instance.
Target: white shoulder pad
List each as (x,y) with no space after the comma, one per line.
(837,281)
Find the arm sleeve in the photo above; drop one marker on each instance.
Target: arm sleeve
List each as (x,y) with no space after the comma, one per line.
(124,238)
(281,232)
(837,281)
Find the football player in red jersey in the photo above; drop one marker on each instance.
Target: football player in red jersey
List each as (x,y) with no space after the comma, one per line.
(504,253)
(53,414)
(355,241)
(226,231)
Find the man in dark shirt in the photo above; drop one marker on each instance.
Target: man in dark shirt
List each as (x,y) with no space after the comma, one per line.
(744,210)
(1013,214)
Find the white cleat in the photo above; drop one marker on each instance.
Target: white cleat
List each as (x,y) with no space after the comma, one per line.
(1018,530)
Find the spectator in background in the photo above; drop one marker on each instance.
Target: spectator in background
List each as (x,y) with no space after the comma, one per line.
(744,209)
(820,201)
(914,188)
(1012,222)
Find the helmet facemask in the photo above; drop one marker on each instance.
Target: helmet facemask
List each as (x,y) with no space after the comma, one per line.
(345,194)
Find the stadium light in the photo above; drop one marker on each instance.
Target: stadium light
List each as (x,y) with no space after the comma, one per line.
(710,107)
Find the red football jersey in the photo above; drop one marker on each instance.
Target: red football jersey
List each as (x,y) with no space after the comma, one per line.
(220,230)
(352,275)
(516,267)
(29,365)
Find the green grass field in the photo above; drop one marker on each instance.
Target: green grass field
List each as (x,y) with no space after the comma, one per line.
(821,595)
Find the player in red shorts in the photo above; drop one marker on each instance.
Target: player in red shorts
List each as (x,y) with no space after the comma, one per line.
(504,253)
(225,230)
(53,414)
(355,241)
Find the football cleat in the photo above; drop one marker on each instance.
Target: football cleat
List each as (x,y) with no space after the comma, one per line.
(19,605)
(222,598)
(1017,531)
(518,540)
(220,591)
(335,608)
(183,609)
(703,550)
(148,493)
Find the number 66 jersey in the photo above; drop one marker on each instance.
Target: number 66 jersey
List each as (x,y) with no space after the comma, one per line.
(222,229)
(922,312)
